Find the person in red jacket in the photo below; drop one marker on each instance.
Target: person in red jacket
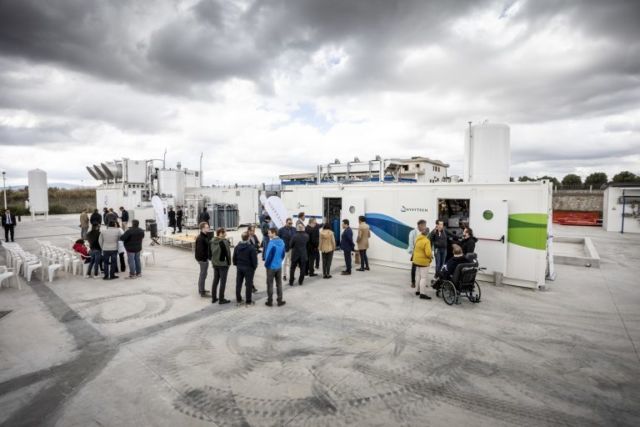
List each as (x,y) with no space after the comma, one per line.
(80,248)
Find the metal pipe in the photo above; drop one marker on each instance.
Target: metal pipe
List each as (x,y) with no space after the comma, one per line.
(4,187)
(623,205)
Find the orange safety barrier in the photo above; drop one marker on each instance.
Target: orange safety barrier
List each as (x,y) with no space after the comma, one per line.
(577,218)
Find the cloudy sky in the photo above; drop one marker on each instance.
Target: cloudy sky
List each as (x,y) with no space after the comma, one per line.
(271,87)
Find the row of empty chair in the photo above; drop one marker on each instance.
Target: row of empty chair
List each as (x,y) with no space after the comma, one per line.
(21,262)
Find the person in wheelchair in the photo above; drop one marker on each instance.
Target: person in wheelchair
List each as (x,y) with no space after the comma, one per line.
(447,270)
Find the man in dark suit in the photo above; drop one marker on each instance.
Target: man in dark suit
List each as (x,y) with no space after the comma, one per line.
(179,216)
(347,246)
(298,246)
(8,223)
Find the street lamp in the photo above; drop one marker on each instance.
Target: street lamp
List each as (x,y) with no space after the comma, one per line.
(4,186)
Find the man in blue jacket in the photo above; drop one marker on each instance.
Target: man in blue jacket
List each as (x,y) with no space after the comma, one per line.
(245,258)
(273,263)
(347,246)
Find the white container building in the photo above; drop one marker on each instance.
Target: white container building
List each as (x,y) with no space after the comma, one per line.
(510,219)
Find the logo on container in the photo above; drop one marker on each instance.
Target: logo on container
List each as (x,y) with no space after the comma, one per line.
(406,209)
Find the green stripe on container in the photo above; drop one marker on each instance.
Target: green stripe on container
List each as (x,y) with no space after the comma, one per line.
(528,230)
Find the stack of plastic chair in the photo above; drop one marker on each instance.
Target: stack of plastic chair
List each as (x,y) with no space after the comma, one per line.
(7,273)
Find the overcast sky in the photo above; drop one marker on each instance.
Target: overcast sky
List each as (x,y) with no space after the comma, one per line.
(271,87)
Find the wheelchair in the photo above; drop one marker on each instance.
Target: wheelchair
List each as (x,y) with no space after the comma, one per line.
(462,283)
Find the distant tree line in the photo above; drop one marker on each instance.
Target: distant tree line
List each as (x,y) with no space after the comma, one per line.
(596,180)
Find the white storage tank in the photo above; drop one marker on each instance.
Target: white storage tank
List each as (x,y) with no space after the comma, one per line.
(171,183)
(487,154)
(38,192)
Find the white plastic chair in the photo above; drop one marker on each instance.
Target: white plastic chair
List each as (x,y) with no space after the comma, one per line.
(5,274)
(145,255)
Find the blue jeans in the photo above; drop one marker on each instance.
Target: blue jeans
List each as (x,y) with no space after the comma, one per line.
(110,259)
(441,256)
(94,263)
(134,263)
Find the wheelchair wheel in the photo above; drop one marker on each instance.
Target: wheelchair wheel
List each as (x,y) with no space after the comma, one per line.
(449,292)
(474,293)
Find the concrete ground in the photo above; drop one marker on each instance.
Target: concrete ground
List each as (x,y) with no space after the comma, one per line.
(359,350)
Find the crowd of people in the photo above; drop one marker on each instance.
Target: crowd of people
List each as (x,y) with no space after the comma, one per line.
(298,250)
(108,245)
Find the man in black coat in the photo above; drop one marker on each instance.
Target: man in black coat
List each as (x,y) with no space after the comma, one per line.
(313,253)
(96,218)
(347,246)
(298,246)
(179,216)
(245,258)
(132,239)
(9,224)
(124,217)
(203,255)
(172,219)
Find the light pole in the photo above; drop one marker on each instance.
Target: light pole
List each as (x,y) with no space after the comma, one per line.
(4,186)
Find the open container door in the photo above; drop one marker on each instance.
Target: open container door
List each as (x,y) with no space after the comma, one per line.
(352,208)
(489,220)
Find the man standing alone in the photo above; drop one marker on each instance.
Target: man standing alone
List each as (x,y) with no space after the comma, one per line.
(8,223)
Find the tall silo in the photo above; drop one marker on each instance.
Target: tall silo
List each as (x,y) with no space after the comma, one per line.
(38,192)
(487,154)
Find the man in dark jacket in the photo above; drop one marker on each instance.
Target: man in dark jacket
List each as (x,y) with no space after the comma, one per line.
(124,217)
(132,239)
(204,216)
(299,258)
(286,233)
(245,258)
(8,223)
(111,216)
(347,245)
(96,218)
(105,219)
(439,238)
(179,216)
(313,254)
(172,219)
(220,260)
(203,255)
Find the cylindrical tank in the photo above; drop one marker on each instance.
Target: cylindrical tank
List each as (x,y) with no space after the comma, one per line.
(172,183)
(38,191)
(487,154)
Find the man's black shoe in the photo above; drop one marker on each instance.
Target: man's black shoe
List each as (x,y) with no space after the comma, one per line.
(115,277)
(215,300)
(281,303)
(423,296)
(105,278)
(269,304)
(346,273)
(203,295)
(224,301)
(254,290)
(240,301)
(418,293)
(329,276)
(313,275)
(360,269)
(366,268)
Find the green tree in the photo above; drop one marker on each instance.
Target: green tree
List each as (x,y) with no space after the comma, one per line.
(626,176)
(525,179)
(597,179)
(572,179)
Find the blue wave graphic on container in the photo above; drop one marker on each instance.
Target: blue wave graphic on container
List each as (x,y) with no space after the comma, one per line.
(389,229)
